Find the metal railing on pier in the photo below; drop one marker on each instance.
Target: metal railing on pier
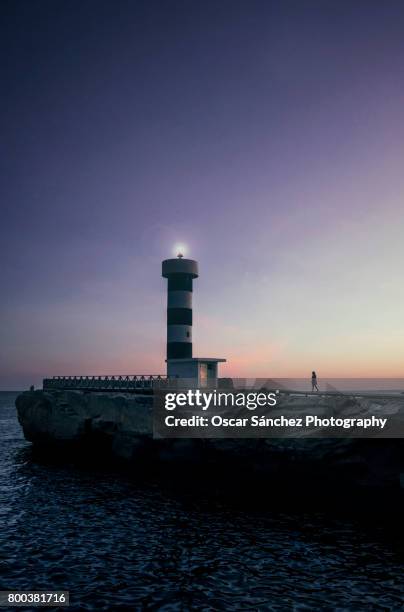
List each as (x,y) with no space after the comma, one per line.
(127,382)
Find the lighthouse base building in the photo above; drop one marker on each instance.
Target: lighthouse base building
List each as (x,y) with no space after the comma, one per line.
(197,371)
(193,371)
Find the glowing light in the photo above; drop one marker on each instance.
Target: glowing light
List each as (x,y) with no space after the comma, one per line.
(180,250)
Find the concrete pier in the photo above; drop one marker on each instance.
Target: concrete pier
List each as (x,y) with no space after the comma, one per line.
(122,425)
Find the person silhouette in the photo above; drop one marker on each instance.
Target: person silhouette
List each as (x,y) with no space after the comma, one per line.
(314,381)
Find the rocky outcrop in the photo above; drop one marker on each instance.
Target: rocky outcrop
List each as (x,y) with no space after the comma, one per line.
(122,425)
(115,422)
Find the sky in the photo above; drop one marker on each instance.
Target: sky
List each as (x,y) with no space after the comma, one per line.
(266,137)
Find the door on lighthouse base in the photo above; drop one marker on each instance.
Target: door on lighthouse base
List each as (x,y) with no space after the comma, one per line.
(203,374)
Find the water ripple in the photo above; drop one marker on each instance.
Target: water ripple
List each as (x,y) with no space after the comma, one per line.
(117,545)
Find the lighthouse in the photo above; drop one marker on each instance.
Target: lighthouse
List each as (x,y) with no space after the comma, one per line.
(201,371)
(180,274)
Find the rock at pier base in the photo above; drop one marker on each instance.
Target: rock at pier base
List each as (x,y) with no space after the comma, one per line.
(119,426)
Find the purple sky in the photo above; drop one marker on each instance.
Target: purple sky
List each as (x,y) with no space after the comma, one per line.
(266,136)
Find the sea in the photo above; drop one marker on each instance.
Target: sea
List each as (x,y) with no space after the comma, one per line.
(119,542)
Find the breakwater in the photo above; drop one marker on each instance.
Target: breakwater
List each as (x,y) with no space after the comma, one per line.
(117,542)
(120,426)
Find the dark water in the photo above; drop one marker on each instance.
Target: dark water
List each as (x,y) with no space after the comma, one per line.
(117,545)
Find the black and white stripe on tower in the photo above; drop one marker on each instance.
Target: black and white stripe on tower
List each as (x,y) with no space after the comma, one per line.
(180,274)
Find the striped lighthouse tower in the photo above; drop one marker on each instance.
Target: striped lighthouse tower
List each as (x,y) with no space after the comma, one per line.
(180,273)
